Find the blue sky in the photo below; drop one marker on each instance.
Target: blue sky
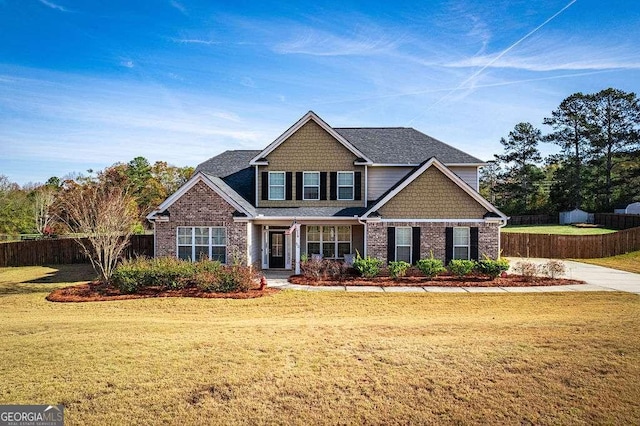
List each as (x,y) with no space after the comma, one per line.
(85,84)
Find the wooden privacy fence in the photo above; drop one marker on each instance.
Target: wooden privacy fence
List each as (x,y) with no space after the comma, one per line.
(617,221)
(533,219)
(569,246)
(61,251)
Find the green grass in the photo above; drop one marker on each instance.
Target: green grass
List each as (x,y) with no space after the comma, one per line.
(629,262)
(556,229)
(321,358)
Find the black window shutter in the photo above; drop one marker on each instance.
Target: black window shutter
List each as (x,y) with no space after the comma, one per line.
(474,243)
(333,186)
(415,245)
(448,245)
(265,185)
(323,185)
(298,185)
(391,244)
(357,186)
(289,186)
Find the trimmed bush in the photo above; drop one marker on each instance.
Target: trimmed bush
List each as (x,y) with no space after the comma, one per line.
(554,268)
(398,269)
(493,268)
(368,267)
(461,267)
(171,273)
(527,269)
(431,266)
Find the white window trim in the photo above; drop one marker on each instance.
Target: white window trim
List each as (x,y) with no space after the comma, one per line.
(336,240)
(283,186)
(310,186)
(352,186)
(467,246)
(193,244)
(404,245)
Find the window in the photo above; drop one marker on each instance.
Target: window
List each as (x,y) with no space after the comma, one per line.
(311,186)
(403,244)
(276,185)
(333,242)
(199,242)
(461,243)
(345,185)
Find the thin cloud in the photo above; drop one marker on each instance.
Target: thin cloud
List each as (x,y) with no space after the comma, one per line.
(179,6)
(195,41)
(127,63)
(316,43)
(54,6)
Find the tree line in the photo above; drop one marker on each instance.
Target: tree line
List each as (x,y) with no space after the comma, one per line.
(44,208)
(597,168)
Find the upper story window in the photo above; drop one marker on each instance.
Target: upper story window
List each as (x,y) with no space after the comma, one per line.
(461,240)
(276,185)
(345,186)
(311,186)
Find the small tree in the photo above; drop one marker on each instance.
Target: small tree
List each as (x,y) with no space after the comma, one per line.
(43,198)
(102,218)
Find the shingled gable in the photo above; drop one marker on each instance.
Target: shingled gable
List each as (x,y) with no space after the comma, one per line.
(417,172)
(260,159)
(217,185)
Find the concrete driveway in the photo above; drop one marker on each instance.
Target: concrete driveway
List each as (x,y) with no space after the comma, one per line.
(596,276)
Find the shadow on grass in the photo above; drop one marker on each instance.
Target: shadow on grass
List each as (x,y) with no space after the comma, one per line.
(43,279)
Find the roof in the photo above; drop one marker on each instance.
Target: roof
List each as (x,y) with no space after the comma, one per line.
(227,163)
(402,145)
(348,212)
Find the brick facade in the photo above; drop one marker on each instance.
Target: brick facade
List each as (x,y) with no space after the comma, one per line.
(310,149)
(432,238)
(201,206)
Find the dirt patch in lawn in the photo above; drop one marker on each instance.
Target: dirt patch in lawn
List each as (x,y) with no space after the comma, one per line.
(97,292)
(441,281)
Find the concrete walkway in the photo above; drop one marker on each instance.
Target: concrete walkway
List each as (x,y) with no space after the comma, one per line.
(597,278)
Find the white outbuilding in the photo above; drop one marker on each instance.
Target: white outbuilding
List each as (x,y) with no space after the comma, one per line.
(575,216)
(633,208)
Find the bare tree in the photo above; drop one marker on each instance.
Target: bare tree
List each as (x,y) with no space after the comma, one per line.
(43,199)
(102,218)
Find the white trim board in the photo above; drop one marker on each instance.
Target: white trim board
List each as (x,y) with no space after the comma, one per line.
(291,130)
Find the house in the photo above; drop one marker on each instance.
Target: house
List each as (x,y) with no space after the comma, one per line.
(390,193)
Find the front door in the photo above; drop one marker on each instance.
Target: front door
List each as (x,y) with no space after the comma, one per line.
(276,249)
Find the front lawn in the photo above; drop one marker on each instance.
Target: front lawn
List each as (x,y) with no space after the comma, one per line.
(321,358)
(556,229)
(629,262)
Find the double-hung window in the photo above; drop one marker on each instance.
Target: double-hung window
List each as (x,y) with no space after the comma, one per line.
(276,185)
(461,241)
(311,186)
(200,242)
(333,242)
(345,186)
(403,243)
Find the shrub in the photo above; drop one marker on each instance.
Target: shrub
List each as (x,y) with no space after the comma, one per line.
(527,269)
(367,267)
(126,278)
(431,266)
(398,269)
(493,268)
(461,267)
(554,268)
(312,268)
(335,270)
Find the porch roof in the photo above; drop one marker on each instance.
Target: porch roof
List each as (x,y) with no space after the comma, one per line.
(342,212)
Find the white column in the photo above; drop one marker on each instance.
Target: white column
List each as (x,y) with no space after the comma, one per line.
(297,249)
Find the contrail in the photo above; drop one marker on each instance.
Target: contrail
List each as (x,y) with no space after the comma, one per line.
(491,62)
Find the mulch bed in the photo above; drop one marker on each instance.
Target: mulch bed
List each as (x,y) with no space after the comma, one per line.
(440,281)
(98,292)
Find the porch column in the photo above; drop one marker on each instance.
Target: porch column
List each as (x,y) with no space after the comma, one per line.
(297,258)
